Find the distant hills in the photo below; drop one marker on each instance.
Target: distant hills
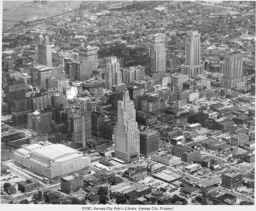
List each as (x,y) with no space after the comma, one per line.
(15,12)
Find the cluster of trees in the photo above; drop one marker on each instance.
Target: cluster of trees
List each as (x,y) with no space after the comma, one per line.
(103,193)
(38,196)
(120,198)
(9,189)
(177,198)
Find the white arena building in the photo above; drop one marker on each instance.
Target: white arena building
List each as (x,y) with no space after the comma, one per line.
(50,160)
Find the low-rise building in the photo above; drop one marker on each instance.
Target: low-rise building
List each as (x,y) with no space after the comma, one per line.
(186,154)
(231,179)
(166,159)
(137,173)
(71,183)
(28,185)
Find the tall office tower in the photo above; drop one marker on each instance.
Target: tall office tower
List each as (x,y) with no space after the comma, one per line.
(44,51)
(133,73)
(79,125)
(71,68)
(16,90)
(41,75)
(113,73)
(86,126)
(127,135)
(193,64)
(88,57)
(233,71)
(97,123)
(158,54)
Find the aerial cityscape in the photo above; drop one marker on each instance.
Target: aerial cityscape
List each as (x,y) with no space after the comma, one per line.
(128,102)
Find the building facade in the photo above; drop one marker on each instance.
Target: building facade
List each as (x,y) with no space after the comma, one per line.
(232,179)
(79,125)
(40,122)
(133,73)
(192,65)
(113,74)
(233,71)
(44,51)
(50,160)
(28,185)
(177,81)
(127,135)
(71,68)
(158,54)
(88,58)
(41,75)
(149,142)
(71,183)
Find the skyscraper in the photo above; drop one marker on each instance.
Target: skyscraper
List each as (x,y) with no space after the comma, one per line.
(158,54)
(40,76)
(44,51)
(233,71)
(127,135)
(113,73)
(79,125)
(192,65)
(133,73)
(88,57)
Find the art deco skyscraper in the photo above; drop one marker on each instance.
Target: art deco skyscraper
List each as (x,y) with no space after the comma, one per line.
(158,54)
(44,51)
(233,71)
(113,74)
(127,135)
(192,65)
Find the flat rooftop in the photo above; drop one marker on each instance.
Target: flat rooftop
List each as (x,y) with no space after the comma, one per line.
(232,173)
(41,67)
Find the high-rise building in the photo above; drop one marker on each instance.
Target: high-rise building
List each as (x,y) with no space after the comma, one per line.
(177,81)
(20,118)
(14,92)
(71,68)
(127,135)
(113,73)
(88,57)
(133,73)
(233,71)
(97,123)
(44,51)
(40,122)
(193,64)
(80,126)
(149,142)
(41,102)
(158,54)
(41,75)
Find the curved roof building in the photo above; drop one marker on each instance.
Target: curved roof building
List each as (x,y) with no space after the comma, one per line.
(50,160)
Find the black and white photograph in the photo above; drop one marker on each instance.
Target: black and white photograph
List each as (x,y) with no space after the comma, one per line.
(127,105)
